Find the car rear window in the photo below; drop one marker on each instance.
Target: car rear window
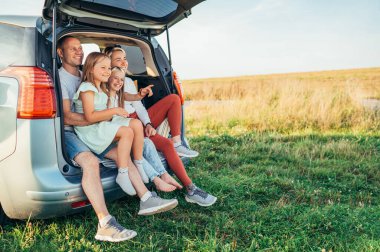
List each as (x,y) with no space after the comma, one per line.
(155,9)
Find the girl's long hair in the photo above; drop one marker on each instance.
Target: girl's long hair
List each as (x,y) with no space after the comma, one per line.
(120,92)
(89,64)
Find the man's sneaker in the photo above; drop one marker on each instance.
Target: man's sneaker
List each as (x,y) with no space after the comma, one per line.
(114,232)
(200,197)
(186,152)
(155,204)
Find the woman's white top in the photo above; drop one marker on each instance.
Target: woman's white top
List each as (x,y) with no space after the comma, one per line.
(135,106)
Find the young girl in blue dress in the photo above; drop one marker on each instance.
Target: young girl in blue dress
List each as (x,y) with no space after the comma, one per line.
(91,100)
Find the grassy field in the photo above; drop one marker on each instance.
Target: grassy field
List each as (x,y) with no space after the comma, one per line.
(276,193)
(321,101)
(283,185)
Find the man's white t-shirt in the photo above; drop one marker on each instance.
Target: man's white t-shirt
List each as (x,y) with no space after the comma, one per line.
(69,86)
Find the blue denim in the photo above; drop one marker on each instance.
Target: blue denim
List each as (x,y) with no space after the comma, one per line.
(74,145)
(152,166)
(104,153)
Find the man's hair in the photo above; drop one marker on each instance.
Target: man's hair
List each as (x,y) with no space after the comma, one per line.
(62,41)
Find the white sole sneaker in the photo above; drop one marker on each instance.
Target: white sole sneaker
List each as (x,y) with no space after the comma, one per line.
(183,151)
(186,155)
(110,239)
(201,204)
(159,209)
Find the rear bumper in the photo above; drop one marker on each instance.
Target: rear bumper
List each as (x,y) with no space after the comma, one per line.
(41,202)
(42,205)
(32,185)
(69,194)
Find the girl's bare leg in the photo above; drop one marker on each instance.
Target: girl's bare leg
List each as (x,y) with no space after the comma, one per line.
(138,141)
(137,182)
(137,147)
(125,137)
(134,177)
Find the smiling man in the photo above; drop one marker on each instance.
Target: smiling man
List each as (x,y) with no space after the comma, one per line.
(70,51)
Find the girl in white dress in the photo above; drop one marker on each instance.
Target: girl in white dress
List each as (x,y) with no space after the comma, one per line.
(91,100)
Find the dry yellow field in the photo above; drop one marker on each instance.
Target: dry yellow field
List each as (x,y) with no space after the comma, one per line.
(328,100)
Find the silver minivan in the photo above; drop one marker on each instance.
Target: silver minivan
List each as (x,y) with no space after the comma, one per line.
(36,178)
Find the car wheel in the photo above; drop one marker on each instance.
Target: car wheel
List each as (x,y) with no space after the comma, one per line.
(3,216)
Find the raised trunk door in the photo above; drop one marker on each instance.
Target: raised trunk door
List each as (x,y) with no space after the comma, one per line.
(144,16)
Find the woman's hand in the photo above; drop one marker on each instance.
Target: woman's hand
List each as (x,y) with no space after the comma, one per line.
(149,130)
(120,112)
(146,91)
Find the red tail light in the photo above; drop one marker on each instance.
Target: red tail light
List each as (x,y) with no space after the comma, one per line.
(179,88)
(36,99)
(80,204)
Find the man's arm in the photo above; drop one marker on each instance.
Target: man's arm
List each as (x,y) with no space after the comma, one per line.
(72,118)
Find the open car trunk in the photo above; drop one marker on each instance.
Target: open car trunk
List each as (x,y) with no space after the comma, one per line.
(130,24)
(143,68)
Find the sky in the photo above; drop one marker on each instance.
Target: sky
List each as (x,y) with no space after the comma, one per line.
(224,38)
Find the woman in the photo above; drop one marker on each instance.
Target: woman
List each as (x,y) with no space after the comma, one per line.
(168,107)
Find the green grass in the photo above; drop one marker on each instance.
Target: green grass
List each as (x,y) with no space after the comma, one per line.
(276,192)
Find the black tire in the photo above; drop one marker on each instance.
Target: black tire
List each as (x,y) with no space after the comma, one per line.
(3,216)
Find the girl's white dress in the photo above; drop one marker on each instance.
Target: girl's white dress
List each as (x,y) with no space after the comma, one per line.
(97,136)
